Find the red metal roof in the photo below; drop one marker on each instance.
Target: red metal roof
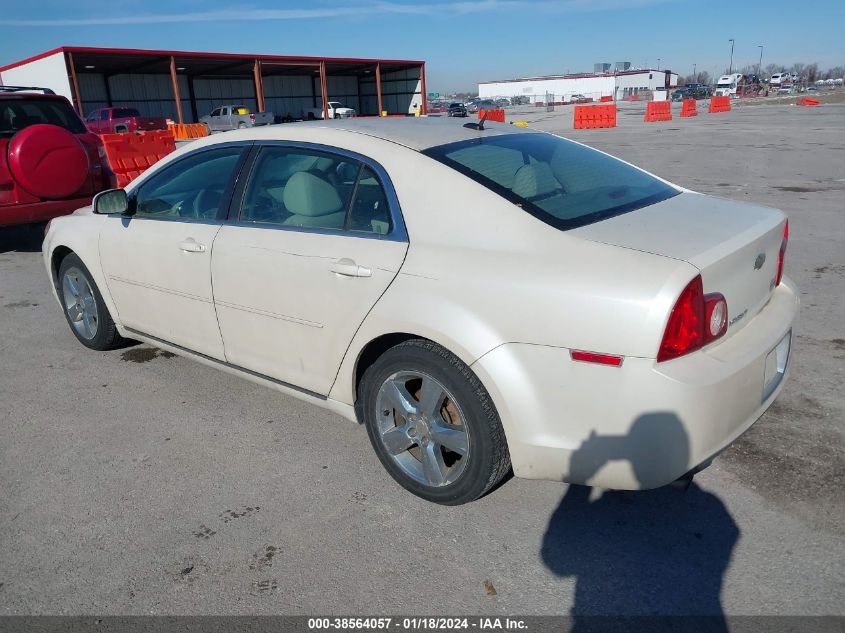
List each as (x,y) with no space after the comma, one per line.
(204,54)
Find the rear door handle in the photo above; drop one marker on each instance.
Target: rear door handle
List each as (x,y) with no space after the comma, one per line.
(190,245)
(348,268)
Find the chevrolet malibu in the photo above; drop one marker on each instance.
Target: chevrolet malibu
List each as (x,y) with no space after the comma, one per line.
(480,297)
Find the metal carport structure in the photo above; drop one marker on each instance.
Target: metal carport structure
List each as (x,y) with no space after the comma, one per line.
(184,85)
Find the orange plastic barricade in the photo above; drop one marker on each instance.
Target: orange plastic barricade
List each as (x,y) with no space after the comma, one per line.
(129,155)
(720,104)
(807,101)
(593,117)
(689,108)
(658,111)
(606,99)
(184,131)
(492,115)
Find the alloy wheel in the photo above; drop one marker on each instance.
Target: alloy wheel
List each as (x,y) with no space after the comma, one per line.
(422,428)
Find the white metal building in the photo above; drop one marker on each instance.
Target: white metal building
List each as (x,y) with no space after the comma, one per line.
(562,87)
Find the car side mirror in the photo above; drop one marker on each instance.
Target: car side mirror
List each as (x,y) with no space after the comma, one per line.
(111,202)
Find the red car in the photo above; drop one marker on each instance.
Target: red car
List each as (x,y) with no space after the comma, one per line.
(119,120)
(50,164)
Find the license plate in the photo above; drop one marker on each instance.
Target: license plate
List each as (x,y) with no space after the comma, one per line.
(776,362)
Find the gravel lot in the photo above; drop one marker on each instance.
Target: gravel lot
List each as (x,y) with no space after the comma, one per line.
(138,482)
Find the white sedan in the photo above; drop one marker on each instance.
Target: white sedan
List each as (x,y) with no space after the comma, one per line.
(480,299)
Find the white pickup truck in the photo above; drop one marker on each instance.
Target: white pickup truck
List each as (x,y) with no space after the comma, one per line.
(336,111)
(234,117)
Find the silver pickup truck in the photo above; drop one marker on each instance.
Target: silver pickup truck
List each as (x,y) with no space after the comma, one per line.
(234,117)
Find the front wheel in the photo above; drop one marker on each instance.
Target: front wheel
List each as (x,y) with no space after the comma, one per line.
(432,423)
(84,308)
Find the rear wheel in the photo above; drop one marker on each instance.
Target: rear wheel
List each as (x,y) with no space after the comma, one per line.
(84,308)
(432,423)
(241,125)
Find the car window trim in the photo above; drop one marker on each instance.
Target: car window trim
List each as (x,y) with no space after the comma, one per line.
(228,191)
(398,232)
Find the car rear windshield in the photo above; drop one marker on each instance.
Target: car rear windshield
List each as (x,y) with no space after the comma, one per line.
(120,113)
(16,114)
(562,183)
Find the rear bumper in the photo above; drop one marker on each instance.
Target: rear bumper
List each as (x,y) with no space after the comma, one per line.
(39,211)
(643,424)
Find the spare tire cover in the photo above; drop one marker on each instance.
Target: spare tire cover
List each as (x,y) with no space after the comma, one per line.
(48,161)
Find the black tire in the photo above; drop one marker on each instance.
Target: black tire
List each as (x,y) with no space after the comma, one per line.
(488,460)
(106,336)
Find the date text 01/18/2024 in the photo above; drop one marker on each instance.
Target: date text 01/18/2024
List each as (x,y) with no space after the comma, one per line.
(415,624)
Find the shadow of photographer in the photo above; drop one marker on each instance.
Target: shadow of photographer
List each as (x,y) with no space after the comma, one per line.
(646,553)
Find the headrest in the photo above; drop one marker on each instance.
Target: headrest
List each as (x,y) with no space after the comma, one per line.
(306,194)
(534,180)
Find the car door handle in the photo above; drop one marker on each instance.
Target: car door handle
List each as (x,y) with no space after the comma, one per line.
(348,268)
(190,245)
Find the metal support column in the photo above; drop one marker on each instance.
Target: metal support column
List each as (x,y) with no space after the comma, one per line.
(378,88)
(175,82)
(325,90)
(75,83)
(259,85)
(423,107)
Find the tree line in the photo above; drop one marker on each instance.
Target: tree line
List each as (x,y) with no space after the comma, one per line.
(808,72)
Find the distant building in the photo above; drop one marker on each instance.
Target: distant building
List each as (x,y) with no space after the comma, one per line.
(618,84)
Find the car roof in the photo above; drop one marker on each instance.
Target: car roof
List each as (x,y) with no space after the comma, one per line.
(419,133)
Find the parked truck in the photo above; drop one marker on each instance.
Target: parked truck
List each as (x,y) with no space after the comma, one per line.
(336,111)
(120,120)
(235,117)
(727,85)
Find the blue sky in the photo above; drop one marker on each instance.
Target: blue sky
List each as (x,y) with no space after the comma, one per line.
(462,42)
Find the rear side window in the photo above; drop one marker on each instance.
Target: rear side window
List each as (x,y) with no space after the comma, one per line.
(564,184)
(121,113)
(297,187)
(16,114)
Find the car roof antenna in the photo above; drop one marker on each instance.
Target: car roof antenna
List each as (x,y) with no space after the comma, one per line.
(478,126)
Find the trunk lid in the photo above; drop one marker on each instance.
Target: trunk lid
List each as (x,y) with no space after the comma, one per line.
(734,245)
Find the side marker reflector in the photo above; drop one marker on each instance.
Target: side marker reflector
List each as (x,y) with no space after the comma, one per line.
(594,357)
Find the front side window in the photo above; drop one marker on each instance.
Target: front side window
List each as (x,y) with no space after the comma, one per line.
(562,183)
(190,188)
(296,187)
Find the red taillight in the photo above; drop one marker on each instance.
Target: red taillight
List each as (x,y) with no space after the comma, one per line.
(782,253)
(696,319)
(685,329)
(252,117)
(594,357)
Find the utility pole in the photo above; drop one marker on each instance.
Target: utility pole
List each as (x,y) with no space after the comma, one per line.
(760,63)
(731,68)
(694,74)
(658,63)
